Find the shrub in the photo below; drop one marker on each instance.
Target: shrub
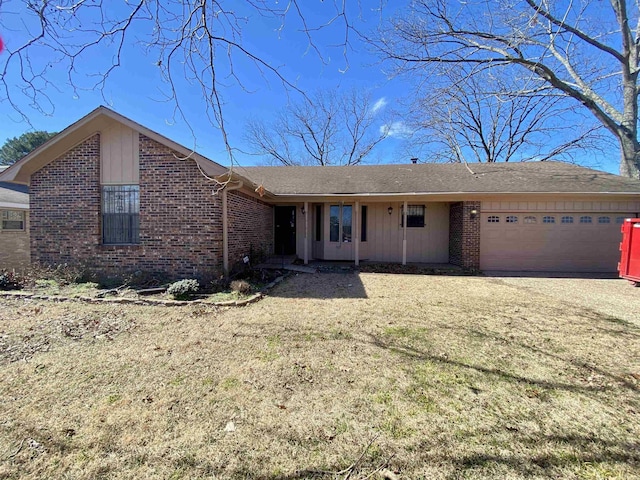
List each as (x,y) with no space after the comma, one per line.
(241,286)
(63,274)
(184,289)
(10,280)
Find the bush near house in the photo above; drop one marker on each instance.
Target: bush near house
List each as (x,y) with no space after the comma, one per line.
(183,289)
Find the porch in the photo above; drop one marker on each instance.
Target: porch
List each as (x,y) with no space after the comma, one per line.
(411,231)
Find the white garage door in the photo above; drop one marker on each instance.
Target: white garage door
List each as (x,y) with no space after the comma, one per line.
(550,242)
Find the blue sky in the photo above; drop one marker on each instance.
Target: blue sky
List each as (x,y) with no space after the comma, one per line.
(136,90)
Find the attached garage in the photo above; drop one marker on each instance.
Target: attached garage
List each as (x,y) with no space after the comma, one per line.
(553,236)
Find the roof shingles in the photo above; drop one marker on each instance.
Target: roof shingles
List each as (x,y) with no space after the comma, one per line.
(521,177)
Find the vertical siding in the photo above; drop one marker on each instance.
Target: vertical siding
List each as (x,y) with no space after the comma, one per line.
(429,244)
(120,159)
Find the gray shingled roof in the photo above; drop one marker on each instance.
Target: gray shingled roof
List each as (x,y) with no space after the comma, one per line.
(13,193)
(524,177)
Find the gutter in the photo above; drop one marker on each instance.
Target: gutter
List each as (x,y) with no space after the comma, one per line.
(17,206)
(370,194)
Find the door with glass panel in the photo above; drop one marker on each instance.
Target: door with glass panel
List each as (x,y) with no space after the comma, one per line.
(341,230)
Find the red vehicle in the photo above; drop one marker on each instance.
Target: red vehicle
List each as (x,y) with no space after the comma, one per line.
(629,266)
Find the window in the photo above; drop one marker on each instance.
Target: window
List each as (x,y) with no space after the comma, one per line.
(334,223)
(548,219)
(493,219)
(567,219)
(13,220)
(530,219)
(586,219)
(340,217)
(363,224)
(604,220)
(346,223)
(620,220)
(415,216)
(512,219)
(318,223)
(120,214)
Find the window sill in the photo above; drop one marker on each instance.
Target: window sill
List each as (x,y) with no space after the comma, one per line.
(120,245)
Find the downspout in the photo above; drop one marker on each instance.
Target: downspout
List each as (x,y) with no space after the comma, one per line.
(225,226)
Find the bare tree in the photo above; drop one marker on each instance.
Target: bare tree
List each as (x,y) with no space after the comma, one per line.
(472,118)
(194,40)
(588,51)
(327,129)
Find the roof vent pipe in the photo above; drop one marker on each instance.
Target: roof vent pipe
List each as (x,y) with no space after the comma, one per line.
(414,160)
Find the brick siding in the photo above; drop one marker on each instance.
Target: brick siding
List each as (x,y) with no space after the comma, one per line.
(464,235)
(180,218)
(250,226)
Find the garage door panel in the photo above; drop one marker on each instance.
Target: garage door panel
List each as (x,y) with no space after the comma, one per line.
(574,247)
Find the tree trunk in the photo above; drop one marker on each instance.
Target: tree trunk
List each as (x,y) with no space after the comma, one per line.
(630,161)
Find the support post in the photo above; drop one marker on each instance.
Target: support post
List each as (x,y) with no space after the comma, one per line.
(404,233)
(306,232)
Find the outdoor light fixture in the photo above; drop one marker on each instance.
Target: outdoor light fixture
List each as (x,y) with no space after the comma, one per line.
(390,210)
(474,213)
(304,212)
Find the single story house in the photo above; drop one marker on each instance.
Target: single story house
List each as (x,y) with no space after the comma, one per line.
(116,196)
(14,225)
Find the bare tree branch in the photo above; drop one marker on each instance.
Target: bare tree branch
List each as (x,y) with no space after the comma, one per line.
(586,50)
(330,129)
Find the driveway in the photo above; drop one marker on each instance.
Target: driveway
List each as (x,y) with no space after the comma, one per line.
(608,296)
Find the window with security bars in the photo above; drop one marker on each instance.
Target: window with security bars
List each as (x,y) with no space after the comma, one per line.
(120,214)
(13,220)
(415,216)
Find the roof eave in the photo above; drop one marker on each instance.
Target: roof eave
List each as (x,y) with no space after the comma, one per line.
(17,174)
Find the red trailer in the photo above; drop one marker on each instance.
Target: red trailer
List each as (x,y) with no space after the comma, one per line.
(629,266)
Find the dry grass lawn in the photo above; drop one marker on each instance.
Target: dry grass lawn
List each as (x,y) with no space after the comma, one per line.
(332,375)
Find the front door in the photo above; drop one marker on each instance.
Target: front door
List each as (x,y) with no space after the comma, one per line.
(285,231)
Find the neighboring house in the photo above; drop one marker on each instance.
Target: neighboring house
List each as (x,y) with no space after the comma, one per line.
(115,196)
(14,225)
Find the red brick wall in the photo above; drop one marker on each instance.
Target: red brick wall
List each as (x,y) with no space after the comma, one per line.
(250,226)
(180,219)
(64,199)
(464,235)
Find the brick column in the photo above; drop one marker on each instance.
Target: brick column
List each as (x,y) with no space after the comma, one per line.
(464,235)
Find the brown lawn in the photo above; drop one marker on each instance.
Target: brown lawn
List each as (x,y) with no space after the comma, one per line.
(332,375)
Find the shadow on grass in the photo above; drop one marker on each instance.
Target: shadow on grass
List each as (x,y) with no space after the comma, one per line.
(574,362)
(417,354)
(572,452)
(326,286)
